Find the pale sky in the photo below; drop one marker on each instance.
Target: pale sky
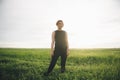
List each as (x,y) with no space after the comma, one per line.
(89,23)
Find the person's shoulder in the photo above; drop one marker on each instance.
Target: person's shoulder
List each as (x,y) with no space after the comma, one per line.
(64,31)
(53,32)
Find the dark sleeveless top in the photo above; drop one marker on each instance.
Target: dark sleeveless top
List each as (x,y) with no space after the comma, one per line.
(60,42)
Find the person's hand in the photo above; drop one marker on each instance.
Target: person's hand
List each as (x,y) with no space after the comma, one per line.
(52,53)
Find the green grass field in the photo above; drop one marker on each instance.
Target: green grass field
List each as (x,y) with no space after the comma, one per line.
(82,64)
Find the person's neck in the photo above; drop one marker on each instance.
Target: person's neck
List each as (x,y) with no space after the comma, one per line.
(59,29)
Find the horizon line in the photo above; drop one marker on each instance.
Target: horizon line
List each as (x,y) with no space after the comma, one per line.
(49,48)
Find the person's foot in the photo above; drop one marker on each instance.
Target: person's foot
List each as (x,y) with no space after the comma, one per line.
(46,74)
(63,70)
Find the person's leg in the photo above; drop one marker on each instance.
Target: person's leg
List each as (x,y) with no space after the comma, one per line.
(63,62)
(52,63)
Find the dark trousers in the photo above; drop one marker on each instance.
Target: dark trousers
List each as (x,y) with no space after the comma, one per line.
(55,58)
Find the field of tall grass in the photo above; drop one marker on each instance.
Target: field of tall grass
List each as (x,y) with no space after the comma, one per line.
(82,64)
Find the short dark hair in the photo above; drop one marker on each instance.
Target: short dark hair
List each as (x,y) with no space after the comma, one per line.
(59,21)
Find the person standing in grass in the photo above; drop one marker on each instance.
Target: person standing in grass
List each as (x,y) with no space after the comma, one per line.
(59,47)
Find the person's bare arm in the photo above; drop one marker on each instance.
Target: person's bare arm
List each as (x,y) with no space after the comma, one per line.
(52,43)
(67,44)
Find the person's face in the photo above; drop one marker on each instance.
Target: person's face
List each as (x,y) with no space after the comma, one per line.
(60,25)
